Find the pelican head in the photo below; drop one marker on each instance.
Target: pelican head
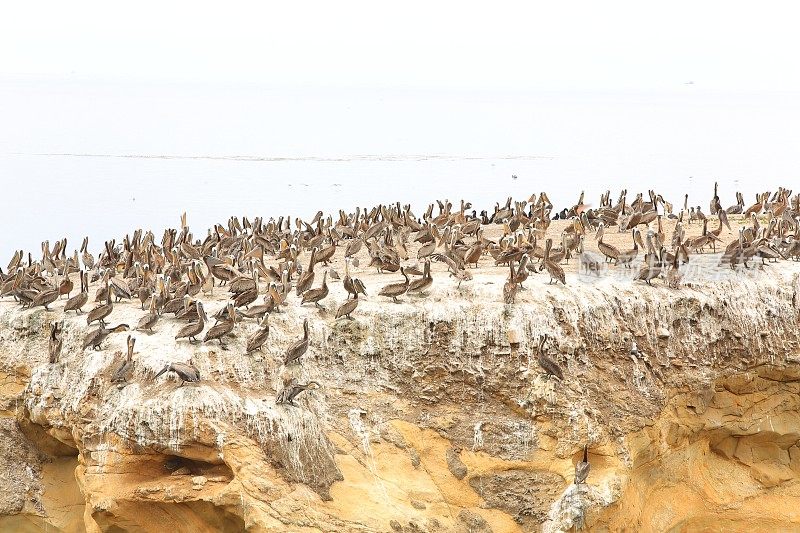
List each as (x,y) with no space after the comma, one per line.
(163,370)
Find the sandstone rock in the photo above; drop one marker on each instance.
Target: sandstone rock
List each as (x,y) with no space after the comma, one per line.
(457,468)
(473,522)
(708,446)
(416,504)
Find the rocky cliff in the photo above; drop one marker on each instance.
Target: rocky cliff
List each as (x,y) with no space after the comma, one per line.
(433,415)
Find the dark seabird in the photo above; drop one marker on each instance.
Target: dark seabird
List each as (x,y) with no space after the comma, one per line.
(583,467)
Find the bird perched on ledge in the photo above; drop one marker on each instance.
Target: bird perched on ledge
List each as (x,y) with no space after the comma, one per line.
(186,372)
(296,350)
(121,374)
(95,338)
(56,340)
(292,389)
(548,365)
(583,467)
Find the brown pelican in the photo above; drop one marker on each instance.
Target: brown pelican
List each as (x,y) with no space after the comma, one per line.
(583,467)
(12,283)
(325,254)
(95,338)
(66,285)
(756,208)
(698,243)
(260,310)
(548,365)
(474,253)
(79,300)
(100,312)
(715,204)
(120,290)
(723,220)
(121,374)
(316,295)
(652,267)
(88,259)
(149,320)
(223,327)
(144,292)
(347,307)
(292,389)
(186,372)
(426,249)
(455,266)
(419,286)
(522,270)
(393,290)
(195,328)
(245,297)
(610,252)
(352,248)
(259,337)
(627,257)
(737,209)
(296,350)
(56,340)
(306,279)
(553,268)
(45,298)
(353,286)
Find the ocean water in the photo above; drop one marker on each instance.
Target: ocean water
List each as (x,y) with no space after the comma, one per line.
(103,158)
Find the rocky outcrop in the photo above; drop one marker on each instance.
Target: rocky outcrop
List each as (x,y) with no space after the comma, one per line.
(433,416)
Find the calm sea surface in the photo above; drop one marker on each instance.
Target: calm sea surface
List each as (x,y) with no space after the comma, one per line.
(101,159)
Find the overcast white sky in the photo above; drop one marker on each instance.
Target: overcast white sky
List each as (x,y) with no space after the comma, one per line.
(525,45)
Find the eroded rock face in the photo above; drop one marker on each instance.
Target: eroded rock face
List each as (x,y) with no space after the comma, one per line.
(433,416)
(732,446)
(20,469)
(525,495)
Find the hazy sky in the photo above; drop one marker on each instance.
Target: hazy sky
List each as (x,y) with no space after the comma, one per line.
(526,45)
(567,96)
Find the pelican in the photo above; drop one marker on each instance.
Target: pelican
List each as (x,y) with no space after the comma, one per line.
(186,372)
(583,467)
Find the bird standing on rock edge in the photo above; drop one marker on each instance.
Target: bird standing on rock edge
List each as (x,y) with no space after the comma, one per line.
(583,467)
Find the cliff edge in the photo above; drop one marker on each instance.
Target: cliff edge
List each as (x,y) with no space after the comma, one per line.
(433,415)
